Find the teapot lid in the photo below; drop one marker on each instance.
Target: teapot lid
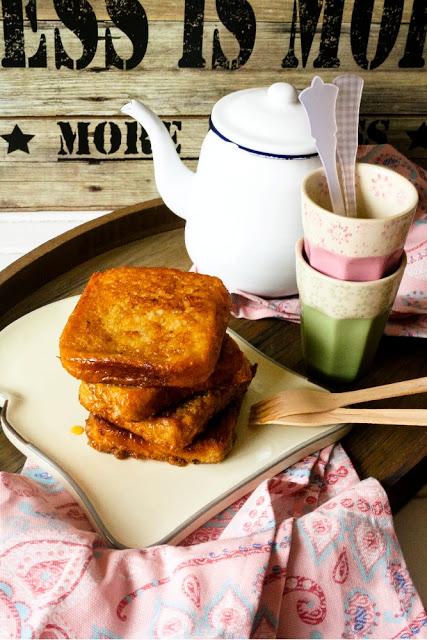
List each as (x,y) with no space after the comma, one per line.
(267,120)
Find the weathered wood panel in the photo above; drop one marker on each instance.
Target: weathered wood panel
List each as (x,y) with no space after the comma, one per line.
(119,138)
(60,64)
(77,185)
(165,46)
(33,92)
(54,175)
(174,10)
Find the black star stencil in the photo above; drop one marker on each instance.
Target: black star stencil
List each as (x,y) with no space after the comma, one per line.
(17,140)
(418,137)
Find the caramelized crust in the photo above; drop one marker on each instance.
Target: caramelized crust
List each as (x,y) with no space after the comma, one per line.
(210,447)
(179,426)
(146,326)
(118,403)
(129,403)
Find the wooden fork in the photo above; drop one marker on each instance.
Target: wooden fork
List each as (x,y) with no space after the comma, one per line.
(402,417)
(305,401)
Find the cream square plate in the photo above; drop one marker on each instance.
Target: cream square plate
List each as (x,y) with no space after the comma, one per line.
(135,503)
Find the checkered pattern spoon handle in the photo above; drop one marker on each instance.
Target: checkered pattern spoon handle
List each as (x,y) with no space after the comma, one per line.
(347,115)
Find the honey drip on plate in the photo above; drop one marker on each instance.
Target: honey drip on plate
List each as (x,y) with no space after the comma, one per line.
(77,430)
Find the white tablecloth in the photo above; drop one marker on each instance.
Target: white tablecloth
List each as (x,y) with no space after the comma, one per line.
(22,232)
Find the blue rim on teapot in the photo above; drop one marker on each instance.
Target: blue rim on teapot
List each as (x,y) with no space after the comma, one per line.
(280,156)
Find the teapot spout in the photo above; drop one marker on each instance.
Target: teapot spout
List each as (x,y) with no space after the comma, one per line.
(174,180)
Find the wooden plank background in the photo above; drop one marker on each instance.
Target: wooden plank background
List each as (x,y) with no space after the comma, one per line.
(44,102)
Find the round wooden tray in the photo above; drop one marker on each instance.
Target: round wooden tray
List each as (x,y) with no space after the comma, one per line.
(149,234)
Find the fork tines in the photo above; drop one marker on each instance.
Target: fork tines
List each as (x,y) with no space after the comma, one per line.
(267,410)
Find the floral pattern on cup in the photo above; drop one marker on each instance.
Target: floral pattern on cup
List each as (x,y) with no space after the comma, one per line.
(342,299)
(387,199)
(340,233)
(381,185)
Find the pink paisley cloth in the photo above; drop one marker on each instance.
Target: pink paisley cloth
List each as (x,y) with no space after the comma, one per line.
(409,314)
(311,553)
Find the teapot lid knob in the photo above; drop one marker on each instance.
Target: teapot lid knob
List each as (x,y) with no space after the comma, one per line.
(282,94)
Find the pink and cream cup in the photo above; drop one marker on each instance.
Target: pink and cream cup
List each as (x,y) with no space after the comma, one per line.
(365,248)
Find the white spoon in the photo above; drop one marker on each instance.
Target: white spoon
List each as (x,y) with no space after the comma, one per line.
(319,101)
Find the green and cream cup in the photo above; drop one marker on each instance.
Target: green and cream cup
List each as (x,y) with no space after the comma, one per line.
(341,321)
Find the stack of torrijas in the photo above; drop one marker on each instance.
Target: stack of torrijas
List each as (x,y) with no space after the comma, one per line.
(160,377)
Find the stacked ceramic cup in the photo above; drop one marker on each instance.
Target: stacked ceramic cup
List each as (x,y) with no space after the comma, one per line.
(349,269)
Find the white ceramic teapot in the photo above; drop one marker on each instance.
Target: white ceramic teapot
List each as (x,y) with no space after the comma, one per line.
(242,206)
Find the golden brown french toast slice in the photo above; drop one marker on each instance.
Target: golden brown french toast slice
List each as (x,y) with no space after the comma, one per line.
(210,447)
(146,326)
(180,425)
(119,403)
(130,403)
